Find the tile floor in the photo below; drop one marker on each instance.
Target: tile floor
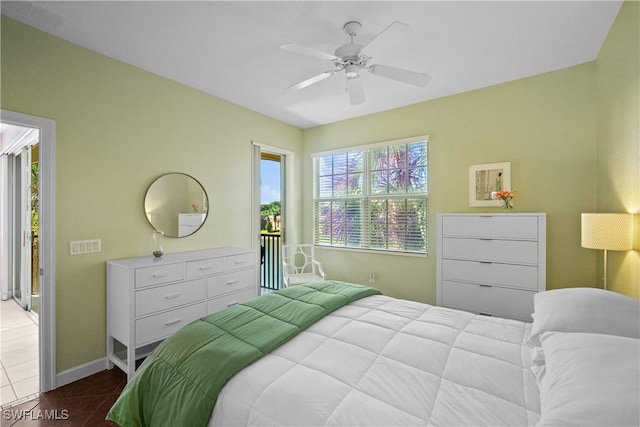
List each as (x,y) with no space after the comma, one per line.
(83,403)
(19,375)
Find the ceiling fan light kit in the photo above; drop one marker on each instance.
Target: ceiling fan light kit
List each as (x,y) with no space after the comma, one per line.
(353,57)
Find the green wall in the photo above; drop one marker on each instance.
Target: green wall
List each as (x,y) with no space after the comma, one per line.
(618,158)
(118,129)
(544,125)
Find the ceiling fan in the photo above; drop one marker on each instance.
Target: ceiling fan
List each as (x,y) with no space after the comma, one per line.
(353,57)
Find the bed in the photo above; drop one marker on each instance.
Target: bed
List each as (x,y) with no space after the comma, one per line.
(334,353)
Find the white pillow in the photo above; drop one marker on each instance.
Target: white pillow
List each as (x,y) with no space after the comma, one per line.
(584,310)
(590,380)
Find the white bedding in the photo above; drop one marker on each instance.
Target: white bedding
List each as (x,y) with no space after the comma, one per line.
(590,380)
(384,361)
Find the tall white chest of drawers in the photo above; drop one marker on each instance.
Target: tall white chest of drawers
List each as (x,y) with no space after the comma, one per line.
(491,264)
(150,298)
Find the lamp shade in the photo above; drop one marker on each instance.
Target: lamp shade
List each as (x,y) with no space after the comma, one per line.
(610,231)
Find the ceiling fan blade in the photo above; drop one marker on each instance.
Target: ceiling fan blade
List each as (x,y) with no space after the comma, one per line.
(405,76)
(306,50)
(355,89)
(312,80)
(391,36)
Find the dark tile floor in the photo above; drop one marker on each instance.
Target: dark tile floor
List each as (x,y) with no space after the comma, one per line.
(83,403)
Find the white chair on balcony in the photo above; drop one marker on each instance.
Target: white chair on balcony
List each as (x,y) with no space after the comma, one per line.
(300,265)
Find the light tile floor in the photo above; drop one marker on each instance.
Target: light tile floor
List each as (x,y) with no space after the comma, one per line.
(19,375)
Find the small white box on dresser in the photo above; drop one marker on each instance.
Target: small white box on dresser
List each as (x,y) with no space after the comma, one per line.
(150,298)
(189,223)
(491,263)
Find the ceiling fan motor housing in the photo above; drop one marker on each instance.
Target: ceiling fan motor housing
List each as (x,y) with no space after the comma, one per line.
(349,50)
(349,57)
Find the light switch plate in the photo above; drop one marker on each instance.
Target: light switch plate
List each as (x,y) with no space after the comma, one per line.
(78,247)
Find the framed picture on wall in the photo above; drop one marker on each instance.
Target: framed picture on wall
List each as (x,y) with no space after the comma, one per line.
(486,180)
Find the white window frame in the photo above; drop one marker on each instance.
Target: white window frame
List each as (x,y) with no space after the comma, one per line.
(368,197)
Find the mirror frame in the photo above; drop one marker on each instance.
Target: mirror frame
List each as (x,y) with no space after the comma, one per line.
(146,195)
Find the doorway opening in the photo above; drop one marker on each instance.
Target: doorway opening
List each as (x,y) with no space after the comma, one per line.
(27,255)
(271,175)
(21,294)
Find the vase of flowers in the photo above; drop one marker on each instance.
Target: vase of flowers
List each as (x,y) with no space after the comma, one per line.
(506,197)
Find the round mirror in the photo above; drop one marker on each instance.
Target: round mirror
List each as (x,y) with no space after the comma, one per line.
(176,205)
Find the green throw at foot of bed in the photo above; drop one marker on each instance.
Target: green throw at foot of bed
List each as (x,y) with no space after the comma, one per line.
(178,384)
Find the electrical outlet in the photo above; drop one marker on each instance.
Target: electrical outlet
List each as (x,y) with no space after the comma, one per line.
(372,278)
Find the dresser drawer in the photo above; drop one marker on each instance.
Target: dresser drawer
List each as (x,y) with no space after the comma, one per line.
(515,251)
(159,326)
(488,300)
(204,267)
(229,300)
(513,227)
(238,262)
(166,297)
(230,282)
(512,276)
(159,274)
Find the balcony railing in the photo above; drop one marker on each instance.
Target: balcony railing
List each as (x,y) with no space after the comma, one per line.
(271,266)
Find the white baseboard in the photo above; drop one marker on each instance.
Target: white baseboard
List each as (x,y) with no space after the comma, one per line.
(81,371)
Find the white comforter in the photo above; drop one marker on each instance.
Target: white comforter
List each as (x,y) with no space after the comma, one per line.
(384,361)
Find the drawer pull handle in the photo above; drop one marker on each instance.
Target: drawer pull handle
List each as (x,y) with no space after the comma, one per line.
(158,275)
(232,282)
(486,314)
(239,262)
(172,322)
(232,303)
(206,267)
(485,262)
(485,239)
(172,296)
(485,286)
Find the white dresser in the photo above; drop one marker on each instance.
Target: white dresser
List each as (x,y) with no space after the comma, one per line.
(189,223)
(150,298)
(491,264)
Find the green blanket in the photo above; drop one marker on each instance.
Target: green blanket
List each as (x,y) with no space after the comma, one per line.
(178,384)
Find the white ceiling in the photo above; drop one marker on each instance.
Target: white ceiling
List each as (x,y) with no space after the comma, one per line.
(231,49)
(13,138)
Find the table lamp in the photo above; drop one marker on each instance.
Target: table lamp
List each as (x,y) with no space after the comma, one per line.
(609,232)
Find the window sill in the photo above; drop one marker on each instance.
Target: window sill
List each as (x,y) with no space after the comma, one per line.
(372,251)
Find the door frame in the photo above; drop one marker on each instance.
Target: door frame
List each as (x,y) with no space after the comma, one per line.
(46,235)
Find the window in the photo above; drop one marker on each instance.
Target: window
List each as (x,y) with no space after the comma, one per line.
(372,197)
